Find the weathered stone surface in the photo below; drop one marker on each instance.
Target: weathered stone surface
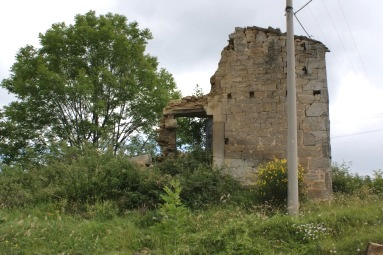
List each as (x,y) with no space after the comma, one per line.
(374,249)
(247,103)
(317,109)
(171,123)
(316,164)
(142,160)
(314,137)
(314,85)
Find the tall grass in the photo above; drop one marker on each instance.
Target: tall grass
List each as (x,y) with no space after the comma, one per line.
(342,226)
(96,203)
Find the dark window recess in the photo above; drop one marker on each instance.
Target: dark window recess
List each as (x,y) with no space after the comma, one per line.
(251,94)
(303,45)
(229,96)
(226,140)
(316,92)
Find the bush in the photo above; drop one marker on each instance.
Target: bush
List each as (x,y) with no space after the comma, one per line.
(272,182)
(16,187)
(186,162)
(377,182)
(343,181)
(203,186)
(83,179)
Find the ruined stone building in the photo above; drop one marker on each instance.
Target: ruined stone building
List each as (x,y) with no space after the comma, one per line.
(247,104)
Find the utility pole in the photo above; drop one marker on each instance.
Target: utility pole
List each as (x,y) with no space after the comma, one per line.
(292,147)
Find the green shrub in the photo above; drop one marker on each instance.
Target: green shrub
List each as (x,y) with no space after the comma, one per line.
(343,181)
(377,182)
(84,178)
(173,213)
(203,186)
(272,182)
(186,162)
(16,187)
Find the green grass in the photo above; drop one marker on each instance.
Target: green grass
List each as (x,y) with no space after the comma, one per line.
(92,203)
(344,225)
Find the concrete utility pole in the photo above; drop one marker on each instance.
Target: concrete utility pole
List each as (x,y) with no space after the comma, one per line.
(292,149)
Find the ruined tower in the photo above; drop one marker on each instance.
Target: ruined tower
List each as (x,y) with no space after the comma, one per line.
(247,103)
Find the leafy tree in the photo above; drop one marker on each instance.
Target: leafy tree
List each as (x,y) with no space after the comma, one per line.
(90,82)
(191,132)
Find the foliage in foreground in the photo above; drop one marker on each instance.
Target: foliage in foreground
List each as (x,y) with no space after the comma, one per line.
(74,179)
(81,178)
(272,182)
(322,228)
(87,202)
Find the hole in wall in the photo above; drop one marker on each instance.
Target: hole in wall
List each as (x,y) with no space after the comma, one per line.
(316,92)
(226,140)
(229,96)
(194,133)
(251,94)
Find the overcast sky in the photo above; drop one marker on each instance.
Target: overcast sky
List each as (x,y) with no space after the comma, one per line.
(190,35)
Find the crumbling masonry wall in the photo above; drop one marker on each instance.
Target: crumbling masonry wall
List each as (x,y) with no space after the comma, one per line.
(247,102)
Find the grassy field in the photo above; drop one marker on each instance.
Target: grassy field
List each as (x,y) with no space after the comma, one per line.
(94,203)
(342,226)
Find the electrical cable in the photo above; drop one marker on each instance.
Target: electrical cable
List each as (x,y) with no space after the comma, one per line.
(375,116)
(360,133)
(296,17)
(336,30)
(303,7)
(322,33)
(353,40)
(309,36)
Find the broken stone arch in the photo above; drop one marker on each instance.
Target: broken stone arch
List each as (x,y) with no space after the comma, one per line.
(190,107)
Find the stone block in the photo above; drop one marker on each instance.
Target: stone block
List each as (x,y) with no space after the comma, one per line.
(374,249)
(142,160)
(314,137)
(311,177)
(309,151)
(314,85)
(250,35)
(317,109)
(218,145)
(170,123)
(316,164)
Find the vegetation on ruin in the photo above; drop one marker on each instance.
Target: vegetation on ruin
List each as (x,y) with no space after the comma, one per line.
(272,182)
(88,98)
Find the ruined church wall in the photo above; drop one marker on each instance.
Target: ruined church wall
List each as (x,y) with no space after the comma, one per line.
(249,88)
(247,104)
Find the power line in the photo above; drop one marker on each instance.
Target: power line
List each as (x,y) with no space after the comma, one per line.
(344,48)
(376,116)
(296,17)
(309,36)
(353,40)
(360,133)
(322,33)
(303,7)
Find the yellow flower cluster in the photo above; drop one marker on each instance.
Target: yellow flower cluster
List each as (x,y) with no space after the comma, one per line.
(272,180)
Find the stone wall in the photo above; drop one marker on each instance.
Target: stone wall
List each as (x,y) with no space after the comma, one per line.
(248,104)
